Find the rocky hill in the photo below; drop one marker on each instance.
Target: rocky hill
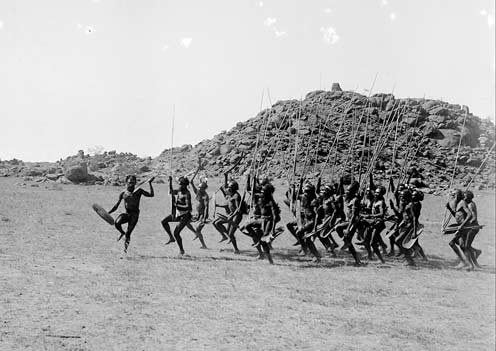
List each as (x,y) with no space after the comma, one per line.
(333,131)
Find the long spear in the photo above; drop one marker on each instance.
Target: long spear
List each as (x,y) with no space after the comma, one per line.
(172,140)
(348,104)
(304,170)
(252,166)
(446,221)
(173,199)
(383,137)
(296,143)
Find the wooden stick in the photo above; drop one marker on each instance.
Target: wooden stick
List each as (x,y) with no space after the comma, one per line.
(337,134)
(172,139)
(446,221)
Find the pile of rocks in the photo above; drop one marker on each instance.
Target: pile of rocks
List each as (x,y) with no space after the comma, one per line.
(430,128)
(420,133)
(106,168)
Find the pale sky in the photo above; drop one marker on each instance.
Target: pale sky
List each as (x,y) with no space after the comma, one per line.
(75,74)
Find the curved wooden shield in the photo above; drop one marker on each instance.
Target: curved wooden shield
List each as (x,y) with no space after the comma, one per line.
(412,237)
(103,214)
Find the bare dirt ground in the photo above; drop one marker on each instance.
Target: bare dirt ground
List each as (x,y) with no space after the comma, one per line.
(66,285)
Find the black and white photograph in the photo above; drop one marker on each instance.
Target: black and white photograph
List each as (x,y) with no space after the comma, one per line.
(247,175)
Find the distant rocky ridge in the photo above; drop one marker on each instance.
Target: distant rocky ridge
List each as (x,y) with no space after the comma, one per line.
(430,128)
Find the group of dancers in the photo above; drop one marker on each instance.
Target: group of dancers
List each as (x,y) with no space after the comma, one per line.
(359,217)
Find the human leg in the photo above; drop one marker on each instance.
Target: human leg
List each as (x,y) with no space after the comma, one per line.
(119,221)
(133,220)
(183,221)
(220,225)
(165,224)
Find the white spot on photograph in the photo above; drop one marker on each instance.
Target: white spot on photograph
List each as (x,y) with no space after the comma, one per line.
(186,42)
(490,20)
(489,17)
(392,16)
(329,35)
(270,21)
(327,10)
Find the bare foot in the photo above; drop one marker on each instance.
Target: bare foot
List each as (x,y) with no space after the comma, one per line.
(462,265)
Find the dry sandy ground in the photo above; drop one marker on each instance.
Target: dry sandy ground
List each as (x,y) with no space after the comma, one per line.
(65,285)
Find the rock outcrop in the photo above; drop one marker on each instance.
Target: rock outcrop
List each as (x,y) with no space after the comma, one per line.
(420,133)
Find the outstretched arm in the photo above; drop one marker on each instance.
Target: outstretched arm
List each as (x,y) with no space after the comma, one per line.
(340,189)
(391,186)
(225,179)
(448,207)
(171,190)
(194,175)
(116,206)
(195,190)
(152,192)
(371,182)
(317,187)
(391,203)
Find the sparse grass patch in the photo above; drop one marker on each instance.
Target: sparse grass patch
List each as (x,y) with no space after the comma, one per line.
(62,273)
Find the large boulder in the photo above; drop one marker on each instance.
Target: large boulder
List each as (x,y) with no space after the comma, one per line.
(437,119)
(336,87)
(429,105)
(77,173)
(440,111)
